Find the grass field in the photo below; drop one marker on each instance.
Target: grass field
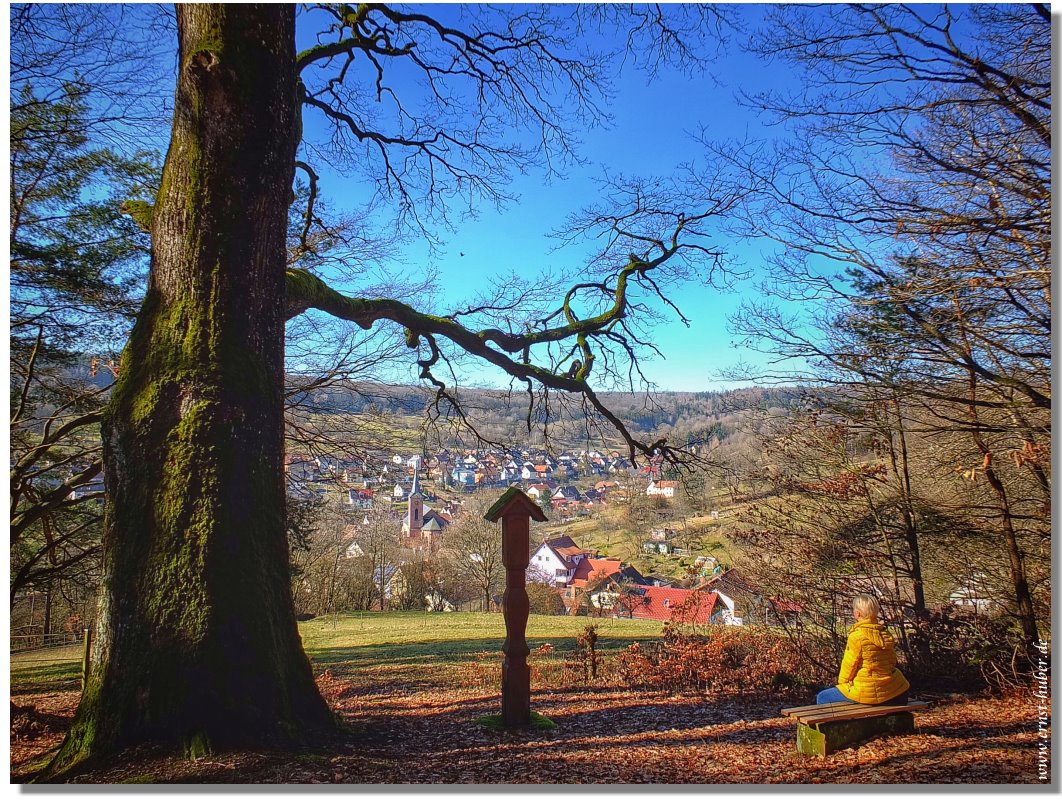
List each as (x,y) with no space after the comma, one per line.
(455,631)
(457,649)
(414,647)
(53,669)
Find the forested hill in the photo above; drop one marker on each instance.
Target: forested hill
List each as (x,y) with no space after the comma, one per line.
(681,415)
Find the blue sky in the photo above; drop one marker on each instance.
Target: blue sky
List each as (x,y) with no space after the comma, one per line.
(651,135)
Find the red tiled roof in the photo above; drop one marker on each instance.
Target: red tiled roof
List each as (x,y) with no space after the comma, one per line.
(595,568)
(682,605)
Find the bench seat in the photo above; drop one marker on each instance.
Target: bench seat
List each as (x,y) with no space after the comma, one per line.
(824,729)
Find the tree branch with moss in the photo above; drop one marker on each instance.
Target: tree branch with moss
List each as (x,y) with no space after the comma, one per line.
(592,315)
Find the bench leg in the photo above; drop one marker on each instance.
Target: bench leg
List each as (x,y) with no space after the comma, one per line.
(827,738)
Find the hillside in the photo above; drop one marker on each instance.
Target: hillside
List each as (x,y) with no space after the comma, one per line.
(395,411)
(684,416)
(613,535)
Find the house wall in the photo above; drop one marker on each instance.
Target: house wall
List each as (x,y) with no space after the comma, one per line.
(545,562)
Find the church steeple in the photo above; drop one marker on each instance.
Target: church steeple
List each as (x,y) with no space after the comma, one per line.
(415,514)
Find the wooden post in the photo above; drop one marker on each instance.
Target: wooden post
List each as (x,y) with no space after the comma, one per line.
(85,656)
(515,510)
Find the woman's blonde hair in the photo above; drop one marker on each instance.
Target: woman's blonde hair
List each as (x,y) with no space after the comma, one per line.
(866,605)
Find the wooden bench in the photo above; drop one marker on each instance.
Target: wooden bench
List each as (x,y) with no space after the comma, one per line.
(825,729)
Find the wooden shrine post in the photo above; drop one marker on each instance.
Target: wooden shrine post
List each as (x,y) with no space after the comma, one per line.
(515,510)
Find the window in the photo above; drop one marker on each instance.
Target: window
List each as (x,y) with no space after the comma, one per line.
(667,602)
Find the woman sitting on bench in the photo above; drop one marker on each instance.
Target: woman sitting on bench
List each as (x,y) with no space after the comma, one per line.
(868,669)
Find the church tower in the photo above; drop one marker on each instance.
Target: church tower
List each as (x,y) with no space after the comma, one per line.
(415,515)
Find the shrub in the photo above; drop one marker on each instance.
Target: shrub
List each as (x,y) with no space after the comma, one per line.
(727,661)
(543,599)
(954,651)
(585,659)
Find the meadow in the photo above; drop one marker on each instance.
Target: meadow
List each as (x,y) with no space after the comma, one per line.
(459,650)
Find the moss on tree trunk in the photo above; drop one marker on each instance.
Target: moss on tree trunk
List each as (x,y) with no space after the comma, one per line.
(196,642)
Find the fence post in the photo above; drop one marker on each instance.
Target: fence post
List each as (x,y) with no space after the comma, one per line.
(85,657)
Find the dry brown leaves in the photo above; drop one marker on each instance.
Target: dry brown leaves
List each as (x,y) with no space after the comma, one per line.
(424,734)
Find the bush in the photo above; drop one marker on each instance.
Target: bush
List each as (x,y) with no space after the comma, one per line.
(727,661)
(585,660)
(955,651)
(543,599)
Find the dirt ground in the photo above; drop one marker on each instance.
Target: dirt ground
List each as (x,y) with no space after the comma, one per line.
(429,735)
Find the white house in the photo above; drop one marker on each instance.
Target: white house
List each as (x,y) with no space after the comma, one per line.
(360,498)
(567,493)
(555,561)
(726,615)
(661,489)
(535,490)
(464,476)
(975,594)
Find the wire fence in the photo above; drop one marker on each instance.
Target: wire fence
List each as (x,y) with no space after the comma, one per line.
(27,642)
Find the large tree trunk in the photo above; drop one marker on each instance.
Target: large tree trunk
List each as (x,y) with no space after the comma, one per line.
(196,642)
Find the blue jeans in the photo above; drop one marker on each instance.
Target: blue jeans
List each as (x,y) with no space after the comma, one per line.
(833,695)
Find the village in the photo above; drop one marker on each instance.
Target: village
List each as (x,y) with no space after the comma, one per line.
(425,495)
(535,393)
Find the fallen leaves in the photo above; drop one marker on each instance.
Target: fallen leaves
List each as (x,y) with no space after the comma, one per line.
(420,733)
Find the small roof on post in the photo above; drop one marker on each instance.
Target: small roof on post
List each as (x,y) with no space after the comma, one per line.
(514,503)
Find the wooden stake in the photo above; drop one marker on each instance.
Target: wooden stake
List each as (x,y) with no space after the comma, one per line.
(515,510)
(85,657)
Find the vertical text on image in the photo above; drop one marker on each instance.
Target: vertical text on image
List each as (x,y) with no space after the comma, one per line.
(1041,693)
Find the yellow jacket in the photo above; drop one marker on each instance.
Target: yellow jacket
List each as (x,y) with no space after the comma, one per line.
(868,669)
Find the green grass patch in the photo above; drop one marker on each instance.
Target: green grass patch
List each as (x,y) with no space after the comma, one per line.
(493,722)
(458,648)
(408,635)
(413,647)
(54,669)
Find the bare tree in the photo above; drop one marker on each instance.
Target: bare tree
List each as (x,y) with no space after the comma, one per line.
(911,203)
(195,556)
(472,549)
(75,262)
